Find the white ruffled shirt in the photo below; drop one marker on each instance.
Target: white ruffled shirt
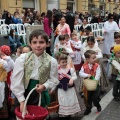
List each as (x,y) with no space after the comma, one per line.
(17,77)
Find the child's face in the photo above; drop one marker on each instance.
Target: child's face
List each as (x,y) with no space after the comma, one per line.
(90,34)
(92,59)
(67,39)
(117,54)
(38,45)
(84,33)
(62,42)
(90,44)
(74,37)
(63,63)
(18,53)
(25,50)
(117,40)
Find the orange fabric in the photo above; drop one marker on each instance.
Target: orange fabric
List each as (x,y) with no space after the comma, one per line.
(90,71)
(3,74)
(85,95)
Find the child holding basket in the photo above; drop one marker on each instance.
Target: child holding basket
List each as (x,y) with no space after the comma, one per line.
(34,69)
(91,68)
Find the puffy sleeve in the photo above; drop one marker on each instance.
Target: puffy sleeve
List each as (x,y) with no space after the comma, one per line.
(98,73)
(53,81)
(4,63)
(10,63)
(73,74)
(82,73)
(17,85)
(78,45)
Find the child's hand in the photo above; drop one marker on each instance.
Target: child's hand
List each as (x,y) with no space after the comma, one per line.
(40,88)
(51,92)
(70,82)
(89,75)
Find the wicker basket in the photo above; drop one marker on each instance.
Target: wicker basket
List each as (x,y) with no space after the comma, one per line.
(53,107)
(91,85)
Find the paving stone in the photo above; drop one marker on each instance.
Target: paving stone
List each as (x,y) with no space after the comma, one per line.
(112,111)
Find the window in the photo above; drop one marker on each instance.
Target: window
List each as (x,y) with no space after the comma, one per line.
(28,4)
(71,5)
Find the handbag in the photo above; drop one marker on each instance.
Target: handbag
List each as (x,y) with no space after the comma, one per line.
(90,84)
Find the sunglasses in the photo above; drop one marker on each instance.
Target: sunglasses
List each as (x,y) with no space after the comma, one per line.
(111,18)
(117,36)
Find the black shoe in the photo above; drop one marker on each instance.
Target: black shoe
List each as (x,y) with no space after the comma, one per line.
(87,111)
(99,108)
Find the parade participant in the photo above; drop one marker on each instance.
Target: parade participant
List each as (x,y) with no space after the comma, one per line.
(116,40)
(62,44)
(62,29)
(64,48)
(85,42)
(38,70)
(68,45)
(3,89)
(91,68)
(6,65)
(5,55)
(116,72)
(66,90)
(76,47)
(92,46)
(110,27)
(26,49)
(19,51)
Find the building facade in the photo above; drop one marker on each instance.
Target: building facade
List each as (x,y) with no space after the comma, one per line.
(93,6)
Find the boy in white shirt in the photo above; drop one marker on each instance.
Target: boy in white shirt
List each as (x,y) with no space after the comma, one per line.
(91,68)
(35,69)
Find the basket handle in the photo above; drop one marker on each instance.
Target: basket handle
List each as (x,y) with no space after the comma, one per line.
(26,100)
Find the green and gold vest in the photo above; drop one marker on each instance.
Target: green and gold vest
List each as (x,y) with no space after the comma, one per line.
(44,69)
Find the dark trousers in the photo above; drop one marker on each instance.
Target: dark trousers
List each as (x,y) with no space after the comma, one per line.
(116,86)
(33,99)
(93,96)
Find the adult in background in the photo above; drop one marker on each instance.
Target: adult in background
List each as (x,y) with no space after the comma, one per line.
(110,27)
(57,14)
(70,19)
(95,19)
(14,41)
(85,26)
(8,19)
(16,18)
(62,29)
(47,22)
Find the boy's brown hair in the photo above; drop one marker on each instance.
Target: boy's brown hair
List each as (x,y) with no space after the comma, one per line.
(61,37)
(36,33)
(88,53)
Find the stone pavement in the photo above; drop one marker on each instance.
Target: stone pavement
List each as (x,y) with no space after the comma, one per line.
(111,112)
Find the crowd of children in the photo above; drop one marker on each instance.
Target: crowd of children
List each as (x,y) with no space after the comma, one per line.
(33,67)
